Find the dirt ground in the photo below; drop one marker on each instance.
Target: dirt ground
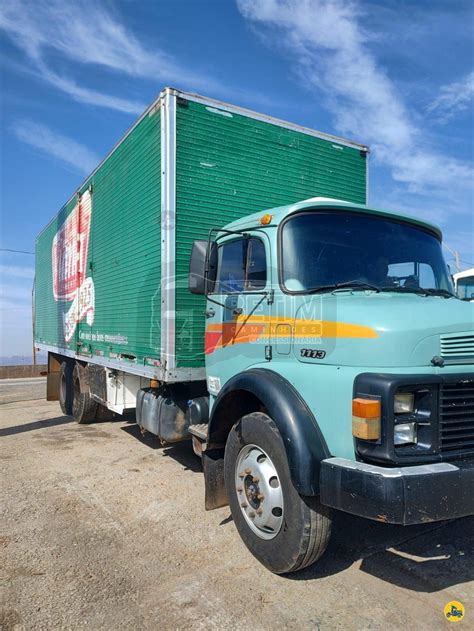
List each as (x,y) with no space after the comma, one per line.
(104,529)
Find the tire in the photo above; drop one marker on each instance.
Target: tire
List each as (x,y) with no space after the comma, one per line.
(84,408)
(66,391)
(104,414)
(283,538)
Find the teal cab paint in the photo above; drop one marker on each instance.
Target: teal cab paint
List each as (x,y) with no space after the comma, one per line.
(334,290)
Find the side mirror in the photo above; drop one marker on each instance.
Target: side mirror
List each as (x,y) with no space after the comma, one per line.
(202,267)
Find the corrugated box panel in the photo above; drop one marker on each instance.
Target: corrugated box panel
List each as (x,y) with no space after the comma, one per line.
(230,165)
(123,267)
(49,327)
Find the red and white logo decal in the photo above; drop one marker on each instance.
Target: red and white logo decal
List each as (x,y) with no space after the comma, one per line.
(69,257)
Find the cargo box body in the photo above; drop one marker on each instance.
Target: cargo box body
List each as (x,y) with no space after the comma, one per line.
(111,267)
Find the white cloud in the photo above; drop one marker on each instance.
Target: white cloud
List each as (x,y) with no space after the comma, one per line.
(92,97)
(86,33)
(15,294)
(37,28)
(83,33)
(15,328)
(61,147)
(453,99)
(16,271)
(331,55)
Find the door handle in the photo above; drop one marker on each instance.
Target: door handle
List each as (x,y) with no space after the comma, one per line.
(237,311)
(210,313)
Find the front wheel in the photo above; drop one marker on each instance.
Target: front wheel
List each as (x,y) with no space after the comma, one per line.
(282,529)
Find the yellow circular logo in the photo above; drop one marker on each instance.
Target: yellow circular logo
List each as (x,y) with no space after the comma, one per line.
(454,611)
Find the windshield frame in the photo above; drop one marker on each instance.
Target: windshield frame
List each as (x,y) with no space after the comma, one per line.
(345,211)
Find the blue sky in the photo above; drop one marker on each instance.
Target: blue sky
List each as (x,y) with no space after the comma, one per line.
(397,75)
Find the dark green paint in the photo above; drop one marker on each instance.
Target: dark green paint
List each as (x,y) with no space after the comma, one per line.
(229,167)
(226,167)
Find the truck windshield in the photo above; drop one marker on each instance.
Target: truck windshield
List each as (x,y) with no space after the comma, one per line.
(324,250)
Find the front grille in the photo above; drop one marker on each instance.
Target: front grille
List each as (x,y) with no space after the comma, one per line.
(458,347)
(456,415)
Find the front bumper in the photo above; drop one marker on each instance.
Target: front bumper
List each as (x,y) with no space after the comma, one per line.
(399,495)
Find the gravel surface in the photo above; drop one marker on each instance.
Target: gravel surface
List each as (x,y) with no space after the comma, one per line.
(104,529)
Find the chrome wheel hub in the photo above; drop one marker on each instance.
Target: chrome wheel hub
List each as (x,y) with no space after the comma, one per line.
(259,491)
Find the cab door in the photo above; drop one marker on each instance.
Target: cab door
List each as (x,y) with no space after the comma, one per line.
(238,315)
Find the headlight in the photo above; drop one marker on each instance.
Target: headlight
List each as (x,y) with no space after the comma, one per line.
(405,434)
(404,402)
(409,418)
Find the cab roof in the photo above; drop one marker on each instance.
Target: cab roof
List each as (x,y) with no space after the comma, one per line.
(313,203)
(464,274)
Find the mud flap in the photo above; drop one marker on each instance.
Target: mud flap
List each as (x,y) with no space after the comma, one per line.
(213,467)
(52,379)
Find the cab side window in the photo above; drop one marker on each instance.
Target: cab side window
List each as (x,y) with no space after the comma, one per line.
(241,266)
(256,265)
(231,267)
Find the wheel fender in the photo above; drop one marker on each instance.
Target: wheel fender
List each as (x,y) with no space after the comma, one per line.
(304,443)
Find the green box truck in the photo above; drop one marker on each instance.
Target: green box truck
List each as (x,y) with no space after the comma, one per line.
(313,351)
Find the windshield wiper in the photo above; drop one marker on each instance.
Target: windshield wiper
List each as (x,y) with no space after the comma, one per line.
(405,290)
(440,292)
(420,291)
(350,284)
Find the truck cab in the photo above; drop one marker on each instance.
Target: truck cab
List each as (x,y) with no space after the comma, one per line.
(340,372)
(464,284)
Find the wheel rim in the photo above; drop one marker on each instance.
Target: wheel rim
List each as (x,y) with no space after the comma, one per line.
(259,493)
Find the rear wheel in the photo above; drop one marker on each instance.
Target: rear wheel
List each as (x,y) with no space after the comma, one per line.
(104,414)
(84,407)
(66,391)
(284,530)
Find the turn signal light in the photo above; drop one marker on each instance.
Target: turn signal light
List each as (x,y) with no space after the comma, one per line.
(366,415)
(266,219)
